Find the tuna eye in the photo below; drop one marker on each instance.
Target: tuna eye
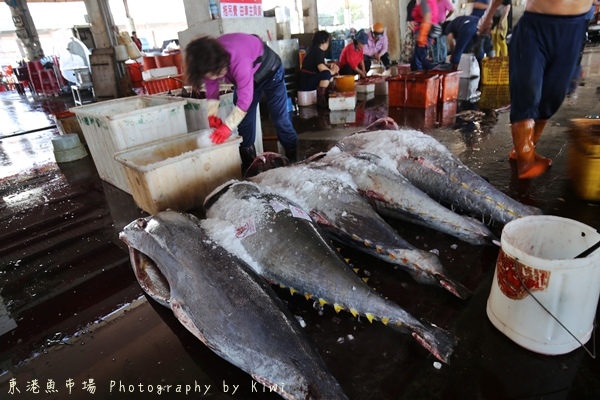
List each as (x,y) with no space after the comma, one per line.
(141,223)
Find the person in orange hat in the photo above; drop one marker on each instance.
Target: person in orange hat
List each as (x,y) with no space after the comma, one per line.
(376,47)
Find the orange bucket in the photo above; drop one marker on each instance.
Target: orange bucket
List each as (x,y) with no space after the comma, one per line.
(344,83)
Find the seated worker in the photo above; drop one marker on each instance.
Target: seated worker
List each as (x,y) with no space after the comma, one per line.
(376,47)
(315,72)
(462,33)
(253,68)
(352,60)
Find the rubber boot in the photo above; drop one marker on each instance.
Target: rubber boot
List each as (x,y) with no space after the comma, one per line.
(322,97)
(538,128)
(529,163)
(291,155)
(247,154)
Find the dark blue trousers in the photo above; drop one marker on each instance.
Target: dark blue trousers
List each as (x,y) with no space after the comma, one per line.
(276,94)
(543,54)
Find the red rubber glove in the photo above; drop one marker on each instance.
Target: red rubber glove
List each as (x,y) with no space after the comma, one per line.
(220,134)
(423,34)
(214,121)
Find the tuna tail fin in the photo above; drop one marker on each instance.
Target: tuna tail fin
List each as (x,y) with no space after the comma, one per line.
(437,341)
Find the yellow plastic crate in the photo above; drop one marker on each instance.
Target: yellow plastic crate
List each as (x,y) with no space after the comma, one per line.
(494,96)
(494,71)
(584,158)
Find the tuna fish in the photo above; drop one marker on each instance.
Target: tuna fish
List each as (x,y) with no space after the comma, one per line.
(345,215)
(392,195)
(430,166)
(280,241)
(226,305)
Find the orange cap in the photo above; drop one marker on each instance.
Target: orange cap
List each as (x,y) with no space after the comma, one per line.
(378,27)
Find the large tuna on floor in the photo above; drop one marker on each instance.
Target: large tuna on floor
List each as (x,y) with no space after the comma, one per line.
(280,241)
(392,195)
(334,203)
(430,166)
(226,305)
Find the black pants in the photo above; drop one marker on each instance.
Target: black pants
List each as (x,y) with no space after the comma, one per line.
(385,60)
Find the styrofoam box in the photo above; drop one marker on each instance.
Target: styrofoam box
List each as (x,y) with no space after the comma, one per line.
(365,87)
(178,173)
(365,96)
(307,98)
(115,125)
(342,117)
(342,101)
(469,66)
(155,73)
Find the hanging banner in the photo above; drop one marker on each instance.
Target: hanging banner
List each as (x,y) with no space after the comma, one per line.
(241,8)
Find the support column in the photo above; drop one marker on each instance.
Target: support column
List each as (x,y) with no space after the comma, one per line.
(310,16)
(102,23)
(25,29)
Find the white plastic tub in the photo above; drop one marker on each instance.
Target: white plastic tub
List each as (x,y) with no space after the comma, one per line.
(196,115)
(537,262)
(115,125)
(178,172)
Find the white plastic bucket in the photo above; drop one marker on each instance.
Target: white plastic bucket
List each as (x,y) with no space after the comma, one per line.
(539,252)
(68,148)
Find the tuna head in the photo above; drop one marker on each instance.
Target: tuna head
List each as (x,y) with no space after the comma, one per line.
(226,305)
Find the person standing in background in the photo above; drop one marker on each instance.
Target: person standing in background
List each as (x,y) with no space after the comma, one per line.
(136,40)
(408,46)
(500,28)
(543,55)
(352,59)
(424,15)
(377,47)
(439,47)
(315,73)
(479,8)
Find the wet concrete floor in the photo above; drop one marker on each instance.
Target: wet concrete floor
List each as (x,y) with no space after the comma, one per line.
(74,321)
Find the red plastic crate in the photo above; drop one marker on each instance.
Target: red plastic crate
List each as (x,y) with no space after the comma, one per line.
(449,83)
(414,90)
(162,85)
(447,113)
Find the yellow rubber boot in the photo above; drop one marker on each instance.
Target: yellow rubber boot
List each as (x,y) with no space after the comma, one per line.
(538,128)
(529,163)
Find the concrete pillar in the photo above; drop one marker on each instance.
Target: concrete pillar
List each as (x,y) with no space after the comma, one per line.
(310,16)
(25,29)
(102,23)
